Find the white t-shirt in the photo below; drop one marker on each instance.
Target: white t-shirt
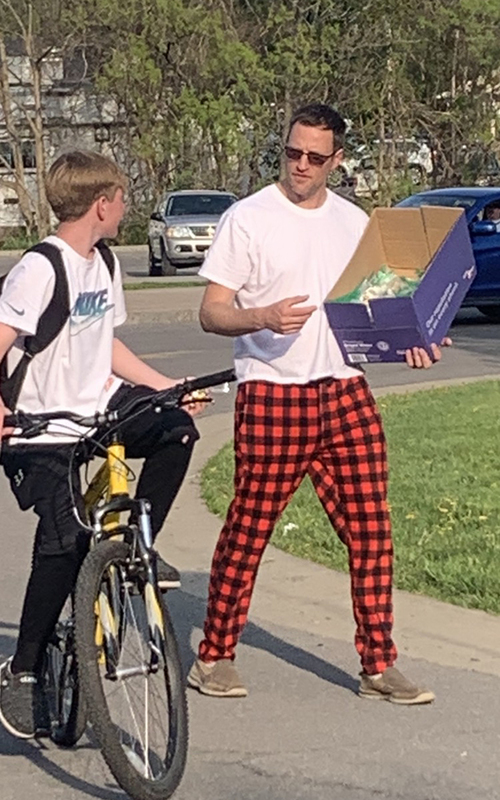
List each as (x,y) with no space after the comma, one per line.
(74,372)
(267,248)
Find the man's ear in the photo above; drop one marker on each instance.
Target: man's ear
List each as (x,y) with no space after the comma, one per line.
(337,159)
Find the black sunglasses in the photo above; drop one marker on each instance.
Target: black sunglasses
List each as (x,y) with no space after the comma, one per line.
(316,159)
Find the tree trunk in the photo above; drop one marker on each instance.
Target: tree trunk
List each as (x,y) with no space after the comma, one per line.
(287,116)
(42,210)
(17,178)
(453,95)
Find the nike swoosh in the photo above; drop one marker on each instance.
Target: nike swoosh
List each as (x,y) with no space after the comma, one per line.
(20,313)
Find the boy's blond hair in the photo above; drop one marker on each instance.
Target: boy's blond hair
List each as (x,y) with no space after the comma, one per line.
(77,179)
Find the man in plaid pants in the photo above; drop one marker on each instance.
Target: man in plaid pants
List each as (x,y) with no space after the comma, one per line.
(299,408)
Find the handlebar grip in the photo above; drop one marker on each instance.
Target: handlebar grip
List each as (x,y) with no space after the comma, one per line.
(11,421)
(206,381)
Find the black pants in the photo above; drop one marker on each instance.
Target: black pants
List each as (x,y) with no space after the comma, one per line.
(39,480)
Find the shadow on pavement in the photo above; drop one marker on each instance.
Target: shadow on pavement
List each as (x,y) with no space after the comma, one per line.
(38,753)
(7,642)
(188,611)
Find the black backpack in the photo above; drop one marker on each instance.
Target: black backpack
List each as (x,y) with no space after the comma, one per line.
(50,323)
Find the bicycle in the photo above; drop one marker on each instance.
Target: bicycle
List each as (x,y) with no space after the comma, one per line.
(113,659)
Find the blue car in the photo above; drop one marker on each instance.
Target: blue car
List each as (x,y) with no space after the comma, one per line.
(482,209)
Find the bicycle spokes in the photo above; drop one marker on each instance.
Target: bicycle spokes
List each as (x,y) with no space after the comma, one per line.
(131,623)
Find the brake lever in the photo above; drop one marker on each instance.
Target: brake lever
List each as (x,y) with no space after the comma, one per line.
(35,430)
(29,428)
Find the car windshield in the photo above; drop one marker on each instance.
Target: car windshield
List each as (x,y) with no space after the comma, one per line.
(455,201)
(199,204)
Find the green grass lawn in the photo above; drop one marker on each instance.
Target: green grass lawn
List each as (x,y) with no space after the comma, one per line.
(130,287)
(444,455)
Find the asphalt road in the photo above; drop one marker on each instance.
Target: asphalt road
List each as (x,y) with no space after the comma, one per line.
(301,734)
(133,262)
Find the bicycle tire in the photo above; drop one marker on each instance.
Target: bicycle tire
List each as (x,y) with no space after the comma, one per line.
(66,707)
(127,757)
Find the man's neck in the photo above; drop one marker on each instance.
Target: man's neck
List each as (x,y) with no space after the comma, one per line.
(79,237)
(315,200)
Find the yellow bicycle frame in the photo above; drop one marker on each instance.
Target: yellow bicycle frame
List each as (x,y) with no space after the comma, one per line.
(109,481)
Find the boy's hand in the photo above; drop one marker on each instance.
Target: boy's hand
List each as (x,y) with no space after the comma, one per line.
(192,404)
(197,401)
(4,432)
(418,358)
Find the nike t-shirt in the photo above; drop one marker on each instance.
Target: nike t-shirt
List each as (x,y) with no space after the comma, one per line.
(74,372)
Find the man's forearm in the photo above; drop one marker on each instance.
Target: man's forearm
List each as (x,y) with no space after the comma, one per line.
(128,366)
(228,320)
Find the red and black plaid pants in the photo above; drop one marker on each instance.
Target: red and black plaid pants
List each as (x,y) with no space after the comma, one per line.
(331,430)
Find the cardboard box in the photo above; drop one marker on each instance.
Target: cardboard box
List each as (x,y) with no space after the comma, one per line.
(408,240)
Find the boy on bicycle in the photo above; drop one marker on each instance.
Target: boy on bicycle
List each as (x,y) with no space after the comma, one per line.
(85,369)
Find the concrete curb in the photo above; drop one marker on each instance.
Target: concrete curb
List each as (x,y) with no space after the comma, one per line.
(162,317)
(149,306)
(406,388)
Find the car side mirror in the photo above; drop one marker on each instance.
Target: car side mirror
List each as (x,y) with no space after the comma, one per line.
(483,228)
(156,216)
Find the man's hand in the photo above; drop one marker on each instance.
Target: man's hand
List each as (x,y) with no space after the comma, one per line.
(282,317)
(418,358)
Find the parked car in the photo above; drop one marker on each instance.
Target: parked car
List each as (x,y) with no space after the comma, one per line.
(481,206)
(182,226)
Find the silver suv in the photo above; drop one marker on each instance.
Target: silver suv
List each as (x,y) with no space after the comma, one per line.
(182,226)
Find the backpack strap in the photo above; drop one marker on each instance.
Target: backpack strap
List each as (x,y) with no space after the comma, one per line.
(54,317)
(107,256)
(50,324)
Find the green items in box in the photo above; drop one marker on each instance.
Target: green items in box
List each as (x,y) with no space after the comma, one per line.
(383,283)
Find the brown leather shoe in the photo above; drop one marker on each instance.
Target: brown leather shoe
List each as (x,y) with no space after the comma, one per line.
(391,685)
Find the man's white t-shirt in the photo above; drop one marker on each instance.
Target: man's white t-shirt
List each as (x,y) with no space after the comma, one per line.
(74,372)
(267,248)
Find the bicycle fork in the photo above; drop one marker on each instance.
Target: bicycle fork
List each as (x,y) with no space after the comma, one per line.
(111,601)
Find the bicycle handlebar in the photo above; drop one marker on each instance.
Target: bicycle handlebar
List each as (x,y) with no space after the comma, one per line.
(33,424)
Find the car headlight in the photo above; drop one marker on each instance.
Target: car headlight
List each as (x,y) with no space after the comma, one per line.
(178,232)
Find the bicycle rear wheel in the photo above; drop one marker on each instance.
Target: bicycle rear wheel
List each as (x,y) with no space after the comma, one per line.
(66,706)
(132,681)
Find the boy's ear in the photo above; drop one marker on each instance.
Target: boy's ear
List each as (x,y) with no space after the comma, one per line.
(100,207)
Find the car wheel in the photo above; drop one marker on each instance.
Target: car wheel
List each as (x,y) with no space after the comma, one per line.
(167,268)
(154,268)
(492,312)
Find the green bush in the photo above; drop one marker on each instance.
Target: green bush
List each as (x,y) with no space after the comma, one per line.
(18,240)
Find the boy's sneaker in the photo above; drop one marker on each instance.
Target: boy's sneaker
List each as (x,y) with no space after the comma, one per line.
(168,576)
(391,685)
(216,679)
(24,709)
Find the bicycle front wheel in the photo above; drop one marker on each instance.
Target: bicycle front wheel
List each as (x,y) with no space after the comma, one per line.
(131,679)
